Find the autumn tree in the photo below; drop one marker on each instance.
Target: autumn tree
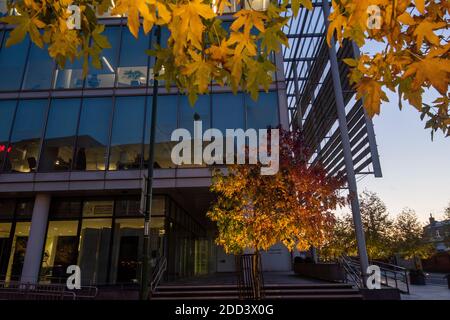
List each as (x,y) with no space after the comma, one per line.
(409,242)
(447,212)
(293,206)
(412,37)
(342,240)
(378,229)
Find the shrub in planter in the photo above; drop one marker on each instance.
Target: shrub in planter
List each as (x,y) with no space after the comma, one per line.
(417,277)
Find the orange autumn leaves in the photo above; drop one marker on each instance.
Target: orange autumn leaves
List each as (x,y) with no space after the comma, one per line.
(293,206)
(412,54)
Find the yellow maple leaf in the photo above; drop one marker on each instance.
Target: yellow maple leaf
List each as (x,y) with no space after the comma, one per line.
(370,90)
(420,5)
(337,23)
(424,30)
(433,70)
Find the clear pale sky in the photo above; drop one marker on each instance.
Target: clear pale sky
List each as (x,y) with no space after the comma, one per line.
(416,170)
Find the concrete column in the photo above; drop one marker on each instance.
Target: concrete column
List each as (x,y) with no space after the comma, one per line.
(36,239)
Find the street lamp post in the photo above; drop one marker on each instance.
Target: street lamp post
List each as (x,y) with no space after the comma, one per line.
(145,275)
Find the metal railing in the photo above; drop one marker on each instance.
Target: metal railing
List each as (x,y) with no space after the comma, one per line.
(391,275)
(14,290)
(250,276)
(158,272)
(352,271)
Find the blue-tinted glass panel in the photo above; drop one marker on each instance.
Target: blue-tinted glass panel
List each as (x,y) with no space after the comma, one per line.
(26,136)
(57,154)
(69,77)
(38,74)
(228,111)
(126,139)
(91,153)
(201,111)
(132,71)
(166,123)
(105,77)
(3,8)
(263,112)
(6,118)
(12,63)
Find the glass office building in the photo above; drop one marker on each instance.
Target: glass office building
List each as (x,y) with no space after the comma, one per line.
(73,152)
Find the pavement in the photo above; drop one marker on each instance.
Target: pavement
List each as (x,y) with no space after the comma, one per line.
(435,289)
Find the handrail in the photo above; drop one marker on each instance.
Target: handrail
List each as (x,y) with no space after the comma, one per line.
(351,271)
(388,272)
(158,272)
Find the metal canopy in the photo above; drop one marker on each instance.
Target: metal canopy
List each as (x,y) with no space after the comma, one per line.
(311,96)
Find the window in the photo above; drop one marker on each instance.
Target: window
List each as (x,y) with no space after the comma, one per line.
(199,112)
(105,77)
(18,250)
(132,71)
(7,209)
(71,77)
(5,230)
(126,140)
(96,208)
(60,250)
(91,153)
(24,208)
(60,134)
(12,63)
(126,250)
(228,111)
(38,73)
(264,112)
(61,208)
(26,136)
(6,118)
(166,123)
(94,250)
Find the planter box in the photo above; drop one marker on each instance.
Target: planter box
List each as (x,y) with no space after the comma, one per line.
(323,271)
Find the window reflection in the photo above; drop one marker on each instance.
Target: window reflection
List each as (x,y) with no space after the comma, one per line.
(71,77)
(94,250)
(126,250)
(60,250)
(7,209)
(96,208)
(263,112)
(199,112)
(12,63)
(126,140)
(6,118)
(165,125)
(132,71)
(5,229)
(60,135)
(18,249)
(91,153)
(26,136)
(38,73)
(105,77)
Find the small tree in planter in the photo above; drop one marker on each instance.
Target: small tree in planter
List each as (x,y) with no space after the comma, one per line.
(293,206)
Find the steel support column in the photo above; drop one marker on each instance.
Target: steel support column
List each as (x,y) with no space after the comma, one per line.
(343,128)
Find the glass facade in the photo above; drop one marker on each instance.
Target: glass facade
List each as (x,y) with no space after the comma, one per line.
(15,217)
(103,133)
(59,121)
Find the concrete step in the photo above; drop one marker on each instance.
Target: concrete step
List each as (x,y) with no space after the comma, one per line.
(272,291)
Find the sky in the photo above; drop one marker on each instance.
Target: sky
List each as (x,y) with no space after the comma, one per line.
(416,170)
